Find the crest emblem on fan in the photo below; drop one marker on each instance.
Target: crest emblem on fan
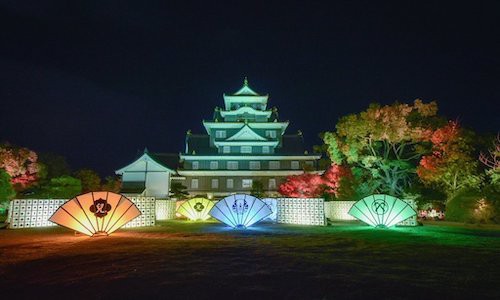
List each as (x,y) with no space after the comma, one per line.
(196,209)
(240,211)
(96,212)
(100,208)
(381,210)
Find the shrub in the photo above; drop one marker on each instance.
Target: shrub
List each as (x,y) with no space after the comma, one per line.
(471,206)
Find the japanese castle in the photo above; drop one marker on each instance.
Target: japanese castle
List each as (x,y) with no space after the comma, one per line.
(244,146)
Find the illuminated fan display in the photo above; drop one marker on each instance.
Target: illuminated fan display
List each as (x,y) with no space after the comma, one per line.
(196,209)
(381,210)
(96,212)
(240,211)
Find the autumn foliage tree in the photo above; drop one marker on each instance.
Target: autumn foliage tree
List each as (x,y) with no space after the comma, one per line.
(383,144)
(309,185)
(451,165)
(21,165)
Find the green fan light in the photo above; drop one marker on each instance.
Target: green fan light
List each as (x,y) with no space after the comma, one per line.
(381,210)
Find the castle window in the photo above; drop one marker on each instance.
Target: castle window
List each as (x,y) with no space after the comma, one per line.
(215,183)
(194,183)
(232,165)
(246,183)
(272,184)
(226,149)
(271,134)
(295,165)
(274,165)
(195,165)
(220,134)
(246,149)
(214,165)
(265,149)
(230,183)
(255,165)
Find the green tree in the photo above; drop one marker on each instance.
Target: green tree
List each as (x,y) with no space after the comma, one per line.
(257,189)
(324,162)
(90,180)
(56,165)
(64,187)
(112,184)
(383,144)
(7,192)
(178,190)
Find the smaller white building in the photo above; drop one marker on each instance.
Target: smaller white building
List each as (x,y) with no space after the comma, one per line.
(149,175)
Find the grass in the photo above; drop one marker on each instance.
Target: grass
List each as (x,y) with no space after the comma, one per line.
(182,259)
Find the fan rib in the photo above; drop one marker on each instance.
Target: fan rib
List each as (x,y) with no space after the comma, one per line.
(407,205)
(227,218)
(76,220)
(235,221)
(85,213)
(374,220)
(113,213)
(112,228)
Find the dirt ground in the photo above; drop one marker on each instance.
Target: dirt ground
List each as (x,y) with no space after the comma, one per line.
(185,260)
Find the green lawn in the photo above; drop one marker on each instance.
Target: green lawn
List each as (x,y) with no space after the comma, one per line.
(179,259)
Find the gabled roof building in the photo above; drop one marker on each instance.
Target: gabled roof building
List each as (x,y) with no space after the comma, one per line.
(245,143)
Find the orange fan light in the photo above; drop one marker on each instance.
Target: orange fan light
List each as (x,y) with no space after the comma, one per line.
(96,212)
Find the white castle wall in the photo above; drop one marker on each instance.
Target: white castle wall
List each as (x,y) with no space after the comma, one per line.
(148,209)
(301,211)
(31,213)
(165,209)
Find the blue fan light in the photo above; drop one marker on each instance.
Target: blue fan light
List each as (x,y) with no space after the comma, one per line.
(240,211)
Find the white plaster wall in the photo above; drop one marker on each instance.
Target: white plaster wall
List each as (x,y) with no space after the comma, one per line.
(304,211)
(165,209)
(158,184)
(133,176)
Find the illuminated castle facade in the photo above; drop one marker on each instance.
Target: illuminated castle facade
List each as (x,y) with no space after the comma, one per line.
(245,147)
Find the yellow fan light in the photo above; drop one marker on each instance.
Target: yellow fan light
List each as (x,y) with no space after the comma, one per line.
(96,212)
(196,209)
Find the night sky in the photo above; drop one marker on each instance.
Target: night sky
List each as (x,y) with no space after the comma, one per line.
(97,81)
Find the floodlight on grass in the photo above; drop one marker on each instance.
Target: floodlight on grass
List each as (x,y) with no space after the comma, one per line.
(381,210)
(240,211)
(196,209)
(96,212)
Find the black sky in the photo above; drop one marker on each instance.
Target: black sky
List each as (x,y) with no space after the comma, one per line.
(96,81)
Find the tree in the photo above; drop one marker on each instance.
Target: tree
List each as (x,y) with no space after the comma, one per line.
(492,161)
(112,184)
(325,161)
(56,165)
(21,165)
(335,182)
(64,187)
(257,189)
(451,166)
(384,143)
(178,190)
(90,180)
(306,185)
(7,192)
